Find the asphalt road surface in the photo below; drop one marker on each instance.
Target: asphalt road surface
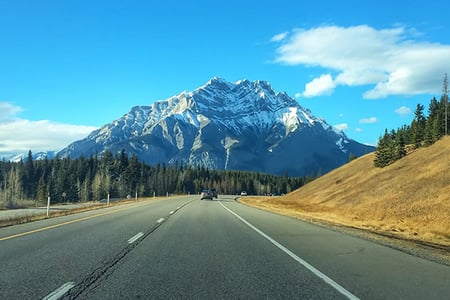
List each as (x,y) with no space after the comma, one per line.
(186,248)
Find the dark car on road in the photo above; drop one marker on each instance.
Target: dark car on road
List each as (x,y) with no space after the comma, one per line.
(206,194)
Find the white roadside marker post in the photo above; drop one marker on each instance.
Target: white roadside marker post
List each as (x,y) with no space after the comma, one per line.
(48,204)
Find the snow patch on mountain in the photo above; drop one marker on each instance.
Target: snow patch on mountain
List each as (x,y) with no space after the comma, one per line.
(228,143)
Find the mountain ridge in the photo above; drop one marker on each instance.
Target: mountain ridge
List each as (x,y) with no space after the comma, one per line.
(223,125)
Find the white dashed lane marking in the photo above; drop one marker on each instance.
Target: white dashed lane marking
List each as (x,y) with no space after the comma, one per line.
(135,238)
(56,294)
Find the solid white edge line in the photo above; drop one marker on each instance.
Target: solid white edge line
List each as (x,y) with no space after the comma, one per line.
(160,221)
(135,237)
(315,271)
(56,294)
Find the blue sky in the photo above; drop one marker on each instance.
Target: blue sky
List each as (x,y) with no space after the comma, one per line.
(69,67)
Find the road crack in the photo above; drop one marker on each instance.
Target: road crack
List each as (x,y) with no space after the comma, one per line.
(101,273)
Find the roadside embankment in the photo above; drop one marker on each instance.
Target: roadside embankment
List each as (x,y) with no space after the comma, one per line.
(408,200)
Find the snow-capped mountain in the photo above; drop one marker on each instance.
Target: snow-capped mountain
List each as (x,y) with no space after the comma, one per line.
(223,125)
(35,156)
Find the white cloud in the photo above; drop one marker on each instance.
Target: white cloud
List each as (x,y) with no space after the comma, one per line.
(342,127)
(279,37)
(20,135)
(370,120)
(403,111)
(323,85)
(359,130)
(298,95)
(388,59)
(8,111)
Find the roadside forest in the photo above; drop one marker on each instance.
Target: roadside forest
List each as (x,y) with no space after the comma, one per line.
(120,176)
(424,130)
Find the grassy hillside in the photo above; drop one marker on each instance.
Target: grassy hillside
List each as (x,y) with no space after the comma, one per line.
(410,198)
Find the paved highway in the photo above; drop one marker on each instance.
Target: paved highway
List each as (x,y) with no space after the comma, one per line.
(186,248)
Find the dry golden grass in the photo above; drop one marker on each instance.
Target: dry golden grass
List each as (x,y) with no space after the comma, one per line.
(409,199)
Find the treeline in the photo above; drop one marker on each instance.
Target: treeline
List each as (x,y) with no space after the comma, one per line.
(120,176)
(423,131)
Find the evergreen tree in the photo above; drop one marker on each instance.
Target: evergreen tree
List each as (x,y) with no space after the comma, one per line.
(443,118)
(29,177)
(418,126)
(132,174)
(391,147)
(433,130)
(382,153)
(42,192)
(400,150)
(428,134)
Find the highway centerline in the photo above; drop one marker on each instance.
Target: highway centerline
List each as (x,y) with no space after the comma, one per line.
(301,261)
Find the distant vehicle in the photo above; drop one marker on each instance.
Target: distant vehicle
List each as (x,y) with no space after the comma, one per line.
(206,194)
(214,193)
(243,193)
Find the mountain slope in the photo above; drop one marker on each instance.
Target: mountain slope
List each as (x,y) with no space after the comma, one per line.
(223,125)
(410,198)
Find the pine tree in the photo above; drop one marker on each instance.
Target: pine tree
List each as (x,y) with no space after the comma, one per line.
(432,128)
(132,174)
(391,147)
(400,150)
(418,126)
(42,192)
(382,153)
(428,134)
(29,177)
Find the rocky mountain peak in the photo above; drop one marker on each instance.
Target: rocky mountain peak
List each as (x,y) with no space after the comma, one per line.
(245,125)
